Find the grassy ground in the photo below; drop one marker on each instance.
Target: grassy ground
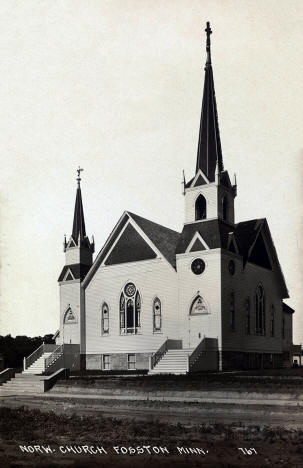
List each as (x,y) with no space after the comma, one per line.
(275,447)
(272,380)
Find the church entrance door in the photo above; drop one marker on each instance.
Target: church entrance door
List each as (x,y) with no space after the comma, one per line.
(194,330)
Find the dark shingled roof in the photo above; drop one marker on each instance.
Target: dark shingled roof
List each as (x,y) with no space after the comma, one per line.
(79,271)
(286,309)
(245,235)
(214,232)
(163,238)
(131,247)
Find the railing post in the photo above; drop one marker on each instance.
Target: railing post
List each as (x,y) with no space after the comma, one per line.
(187,363)
(149,363)
(24,363)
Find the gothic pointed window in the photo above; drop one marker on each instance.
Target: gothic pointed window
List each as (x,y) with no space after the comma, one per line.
(198,306)
(69,316)
(225,208)
(130,310)
(105,319)
(247,316)
(157,315)
(260,310)
(200,208)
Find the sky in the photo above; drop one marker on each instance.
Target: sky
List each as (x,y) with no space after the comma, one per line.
(116,87)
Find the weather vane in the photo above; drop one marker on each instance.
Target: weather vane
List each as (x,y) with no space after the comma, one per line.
(79,178)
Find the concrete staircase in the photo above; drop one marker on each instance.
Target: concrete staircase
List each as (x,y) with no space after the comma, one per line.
(174,361)
(28,381)
(38,366)
(23,384)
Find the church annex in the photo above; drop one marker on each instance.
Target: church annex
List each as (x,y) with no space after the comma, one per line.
(208,298)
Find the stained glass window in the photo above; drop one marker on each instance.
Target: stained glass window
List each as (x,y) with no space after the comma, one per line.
(105,319)
(130,310)
(157,315)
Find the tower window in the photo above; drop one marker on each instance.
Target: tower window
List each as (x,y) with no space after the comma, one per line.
(157,315)
(200,208)
(130,310)
(225,208)
(260,310)
(105,319)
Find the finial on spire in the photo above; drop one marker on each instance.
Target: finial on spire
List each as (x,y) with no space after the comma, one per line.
(79,178)
(208,33)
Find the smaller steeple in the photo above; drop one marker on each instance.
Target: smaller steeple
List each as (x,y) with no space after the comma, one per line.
(79,223)
(78,249)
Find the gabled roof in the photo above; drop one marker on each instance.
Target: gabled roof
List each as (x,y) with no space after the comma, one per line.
(214,232)
(164,239)
(79,271)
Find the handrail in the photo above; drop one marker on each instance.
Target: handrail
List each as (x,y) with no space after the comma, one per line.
(202,348)
(28,361)
(168,344)
(196,352)
(54,356)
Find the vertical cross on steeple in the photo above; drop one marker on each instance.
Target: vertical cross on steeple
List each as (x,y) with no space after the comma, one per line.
(208,33)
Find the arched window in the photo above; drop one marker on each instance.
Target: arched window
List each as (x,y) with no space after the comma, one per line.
(130,310)
(69,316)
(260,310)
(272,320)
(247,316)
(198,306)
(157,315)
(105,319)
(232,311)
(200,208)
(225,208)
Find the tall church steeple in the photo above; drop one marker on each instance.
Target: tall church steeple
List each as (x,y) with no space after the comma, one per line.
(209,146)
(209,194)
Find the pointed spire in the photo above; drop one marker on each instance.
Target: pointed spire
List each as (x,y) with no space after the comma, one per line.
(78,224)
(209,145)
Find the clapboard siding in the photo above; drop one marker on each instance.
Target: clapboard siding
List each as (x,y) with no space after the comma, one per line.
(243,284)
(74,255)
(152,278)
(210,193)
(70,293)
(208,284)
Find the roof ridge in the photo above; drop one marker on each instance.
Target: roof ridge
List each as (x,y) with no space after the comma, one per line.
(153,222)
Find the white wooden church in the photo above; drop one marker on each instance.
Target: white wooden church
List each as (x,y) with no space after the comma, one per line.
(208,298)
